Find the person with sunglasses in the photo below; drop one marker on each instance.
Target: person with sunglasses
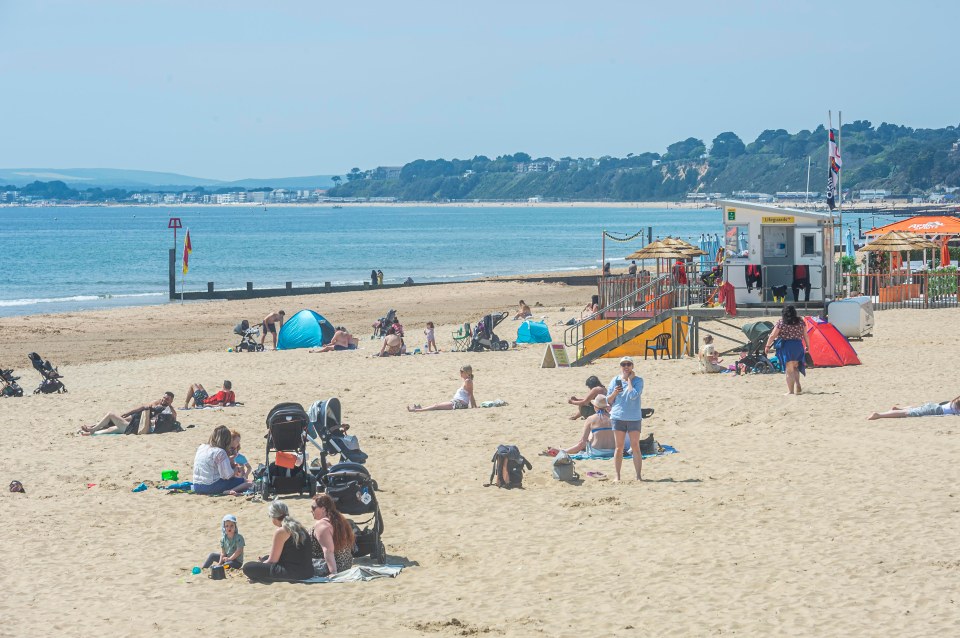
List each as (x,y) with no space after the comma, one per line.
(626,413)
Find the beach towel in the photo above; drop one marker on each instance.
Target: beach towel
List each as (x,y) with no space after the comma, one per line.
(496,403)
(592,456)
(359,573)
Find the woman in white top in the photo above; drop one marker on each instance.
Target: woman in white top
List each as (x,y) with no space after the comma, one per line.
(213,473)
(944,408)
(462,400)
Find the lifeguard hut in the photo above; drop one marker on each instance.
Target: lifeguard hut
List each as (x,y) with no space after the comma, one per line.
(772,254)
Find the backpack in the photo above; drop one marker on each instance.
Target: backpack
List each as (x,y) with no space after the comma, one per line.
(508,466)
(650,446)
(564,469)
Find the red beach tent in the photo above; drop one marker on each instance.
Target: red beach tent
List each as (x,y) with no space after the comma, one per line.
(829,348)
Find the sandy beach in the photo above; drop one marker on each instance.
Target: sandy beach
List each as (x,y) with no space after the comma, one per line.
(778,516)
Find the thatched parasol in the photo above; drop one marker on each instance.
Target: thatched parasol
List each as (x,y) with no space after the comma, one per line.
(898,241)
(658,250)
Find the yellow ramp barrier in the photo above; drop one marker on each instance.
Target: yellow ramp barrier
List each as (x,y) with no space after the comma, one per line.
(634,347)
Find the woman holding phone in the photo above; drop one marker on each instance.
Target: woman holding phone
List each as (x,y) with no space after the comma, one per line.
(623,395)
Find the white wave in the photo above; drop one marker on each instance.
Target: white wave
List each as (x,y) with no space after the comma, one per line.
(31,302)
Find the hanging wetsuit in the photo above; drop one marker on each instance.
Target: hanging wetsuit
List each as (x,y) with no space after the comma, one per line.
(801,280)
(754,276)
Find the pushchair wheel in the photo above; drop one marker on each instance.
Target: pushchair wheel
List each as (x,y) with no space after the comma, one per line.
(381,553)
(503,346)
(259,347)
(311,484)
(265,489)
(763,367)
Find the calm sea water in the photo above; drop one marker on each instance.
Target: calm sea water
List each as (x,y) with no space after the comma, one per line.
(65,259)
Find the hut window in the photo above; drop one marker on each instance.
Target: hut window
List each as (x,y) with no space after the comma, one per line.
(809,245)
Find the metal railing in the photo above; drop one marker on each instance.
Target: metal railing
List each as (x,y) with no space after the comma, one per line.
(907,290)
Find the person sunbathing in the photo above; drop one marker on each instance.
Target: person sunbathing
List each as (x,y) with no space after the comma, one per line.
(392,344)
(523,311)
(198,394)
(585,405)
(114,423)
(944,408)
(597,437)
(462,400)
(341,341)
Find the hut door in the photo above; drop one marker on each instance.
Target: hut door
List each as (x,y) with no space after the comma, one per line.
(778,256)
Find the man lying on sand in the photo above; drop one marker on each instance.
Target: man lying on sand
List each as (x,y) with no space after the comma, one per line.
(116,424)
(198,394)
(944,408)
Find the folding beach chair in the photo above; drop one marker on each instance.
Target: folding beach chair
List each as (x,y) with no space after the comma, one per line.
(461,338)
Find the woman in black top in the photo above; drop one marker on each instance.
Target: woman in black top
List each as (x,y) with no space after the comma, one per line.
(290,556)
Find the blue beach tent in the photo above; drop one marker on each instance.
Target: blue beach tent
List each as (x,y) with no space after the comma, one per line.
(533,332)
(306,329)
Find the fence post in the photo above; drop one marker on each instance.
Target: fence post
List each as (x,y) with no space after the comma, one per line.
(171,270)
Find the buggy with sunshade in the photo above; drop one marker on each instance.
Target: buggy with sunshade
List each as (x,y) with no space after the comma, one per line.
(51,378)
(756,360)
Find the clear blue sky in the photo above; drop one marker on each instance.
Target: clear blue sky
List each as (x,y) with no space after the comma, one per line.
(230,89)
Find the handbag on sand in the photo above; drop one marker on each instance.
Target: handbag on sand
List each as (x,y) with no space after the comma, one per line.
(564,469)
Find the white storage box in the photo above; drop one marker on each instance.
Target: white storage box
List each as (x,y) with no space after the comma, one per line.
(853,317)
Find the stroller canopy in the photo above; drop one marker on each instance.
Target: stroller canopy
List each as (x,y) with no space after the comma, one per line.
(306,329)
(533,332)
(757,330)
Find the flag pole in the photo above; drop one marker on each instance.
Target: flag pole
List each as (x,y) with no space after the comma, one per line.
(183,275)
(840,188)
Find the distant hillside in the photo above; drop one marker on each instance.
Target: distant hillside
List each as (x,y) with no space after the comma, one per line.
(131,180)
(896,158)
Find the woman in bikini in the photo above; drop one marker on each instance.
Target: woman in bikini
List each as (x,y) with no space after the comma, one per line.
(462,400)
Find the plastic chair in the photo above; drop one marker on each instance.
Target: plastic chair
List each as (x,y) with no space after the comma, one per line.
(661,343)
(461,338)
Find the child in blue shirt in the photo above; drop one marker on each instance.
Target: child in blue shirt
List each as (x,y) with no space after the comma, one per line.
(231,545)
(240,462)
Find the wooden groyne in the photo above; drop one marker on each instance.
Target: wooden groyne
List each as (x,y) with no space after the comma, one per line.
(289,290)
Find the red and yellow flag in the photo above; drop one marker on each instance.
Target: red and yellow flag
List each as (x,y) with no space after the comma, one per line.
(187,249)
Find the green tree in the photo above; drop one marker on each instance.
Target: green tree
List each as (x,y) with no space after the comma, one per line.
(688,149)
(727,145)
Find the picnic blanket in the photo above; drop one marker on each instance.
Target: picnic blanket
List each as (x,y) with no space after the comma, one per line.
(359,572)
(585,456)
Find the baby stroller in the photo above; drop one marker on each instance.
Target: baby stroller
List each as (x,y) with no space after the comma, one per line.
(755,361)
(287,437)
(247,336)
(347,482)
(326,433)
(381,325)
(10,386)
(483,336)
(51,378)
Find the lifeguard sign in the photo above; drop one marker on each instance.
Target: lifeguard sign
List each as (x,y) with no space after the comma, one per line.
(174,223)
(555,356)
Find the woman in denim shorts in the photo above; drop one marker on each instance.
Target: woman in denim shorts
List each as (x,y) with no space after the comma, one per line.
(623,395)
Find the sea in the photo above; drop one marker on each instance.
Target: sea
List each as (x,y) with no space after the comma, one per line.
(65,259)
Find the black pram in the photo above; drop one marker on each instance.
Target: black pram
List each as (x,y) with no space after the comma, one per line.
(10,386)
(755,360)
(483,336)
(348,482)
(381,324)
(51,378)
(247,336)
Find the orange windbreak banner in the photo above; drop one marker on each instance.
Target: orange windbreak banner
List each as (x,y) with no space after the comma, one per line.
(922,225)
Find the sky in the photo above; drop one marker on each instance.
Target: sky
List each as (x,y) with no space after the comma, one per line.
(231,89)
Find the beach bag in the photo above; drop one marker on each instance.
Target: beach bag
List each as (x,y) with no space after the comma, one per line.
(217,572)
(564,469)
(134,426)
(166,423)
(508,466)
(650,446)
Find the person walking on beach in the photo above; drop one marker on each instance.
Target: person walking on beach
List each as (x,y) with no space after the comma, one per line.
(462,399)
(941,408)
(789,338)
(626,414)
(270,325)
(373,278)
(379,277)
